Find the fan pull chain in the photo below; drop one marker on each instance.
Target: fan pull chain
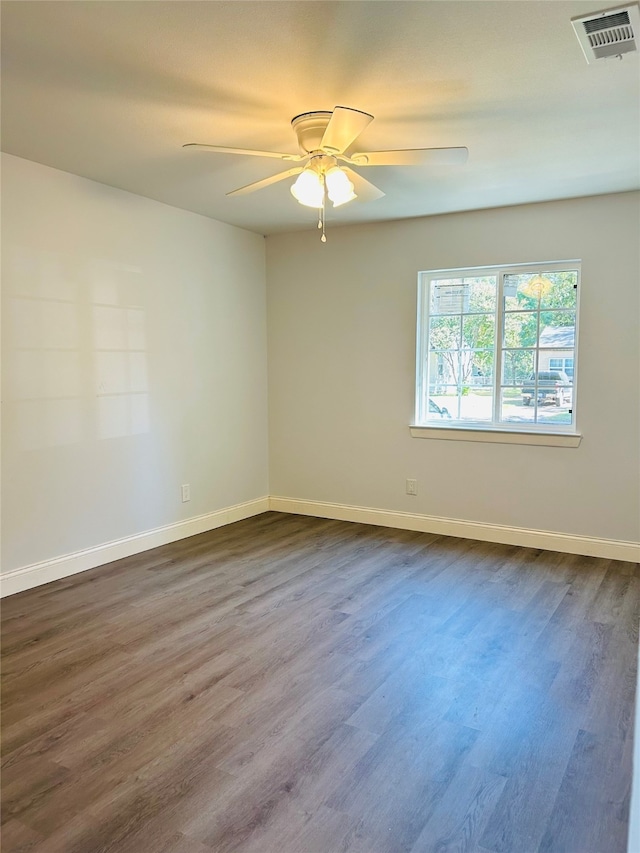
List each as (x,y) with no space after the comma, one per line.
(321,223)
(323,239)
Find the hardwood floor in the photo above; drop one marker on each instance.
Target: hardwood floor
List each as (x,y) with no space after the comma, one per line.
(298,685)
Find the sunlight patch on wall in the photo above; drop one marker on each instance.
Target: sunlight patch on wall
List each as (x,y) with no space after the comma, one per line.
(76,339)
(120,359)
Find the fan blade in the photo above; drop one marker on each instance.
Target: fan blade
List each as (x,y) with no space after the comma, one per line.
(412,157)
(364,189)
(265,182)
(344,126)
(221,149)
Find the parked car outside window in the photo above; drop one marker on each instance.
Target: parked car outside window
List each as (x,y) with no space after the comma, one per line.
(554,386)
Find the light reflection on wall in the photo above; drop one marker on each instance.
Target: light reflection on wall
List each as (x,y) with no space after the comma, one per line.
(76,365)
(119,341)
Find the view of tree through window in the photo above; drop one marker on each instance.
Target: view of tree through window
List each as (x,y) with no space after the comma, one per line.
(498,347)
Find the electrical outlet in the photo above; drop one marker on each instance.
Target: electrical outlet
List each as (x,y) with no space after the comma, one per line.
(186,493)
(412,487)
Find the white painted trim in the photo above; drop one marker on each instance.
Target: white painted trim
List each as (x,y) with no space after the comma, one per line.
(27,577)
(546,540)
(498,436)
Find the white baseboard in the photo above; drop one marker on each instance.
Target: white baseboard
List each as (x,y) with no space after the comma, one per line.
(27,577)
(568,543)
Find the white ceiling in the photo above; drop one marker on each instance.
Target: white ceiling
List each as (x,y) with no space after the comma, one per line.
(111,90)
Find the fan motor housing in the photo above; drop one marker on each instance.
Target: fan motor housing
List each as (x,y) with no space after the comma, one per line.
(310,128)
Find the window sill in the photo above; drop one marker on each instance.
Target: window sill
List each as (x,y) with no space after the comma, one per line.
(497,436)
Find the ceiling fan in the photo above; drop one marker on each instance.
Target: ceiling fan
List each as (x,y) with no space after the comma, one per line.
(324,137)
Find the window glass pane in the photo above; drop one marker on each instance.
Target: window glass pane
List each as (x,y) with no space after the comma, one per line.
(466,403)
(483,294)
(477,368)
(518,296)
(438,384)
(514,411)
(478,331)
(513,408)
(444,333)
(449,296)
(520,330)
(547,388)
(463,295)
(559,361)
(550,416)
(443,369)
(517,366)
(443,403)
(557,329)
(563,291)
(476,403)
(528,291)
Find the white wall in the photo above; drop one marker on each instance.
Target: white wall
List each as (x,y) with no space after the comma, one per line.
(134,360)
(342,370)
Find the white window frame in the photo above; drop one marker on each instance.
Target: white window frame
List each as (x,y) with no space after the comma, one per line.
(562,435)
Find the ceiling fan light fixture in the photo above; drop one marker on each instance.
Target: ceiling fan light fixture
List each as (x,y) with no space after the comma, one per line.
(339,188)
(325,137)
(309,188)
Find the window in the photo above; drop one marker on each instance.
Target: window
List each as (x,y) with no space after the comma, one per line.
(565,364)
(497,348)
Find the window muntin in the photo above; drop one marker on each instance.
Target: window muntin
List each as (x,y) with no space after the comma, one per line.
(497,347)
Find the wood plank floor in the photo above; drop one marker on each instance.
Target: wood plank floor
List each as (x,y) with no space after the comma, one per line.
(299,685)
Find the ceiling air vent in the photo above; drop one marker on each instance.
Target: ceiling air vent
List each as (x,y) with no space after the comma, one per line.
(609,33)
